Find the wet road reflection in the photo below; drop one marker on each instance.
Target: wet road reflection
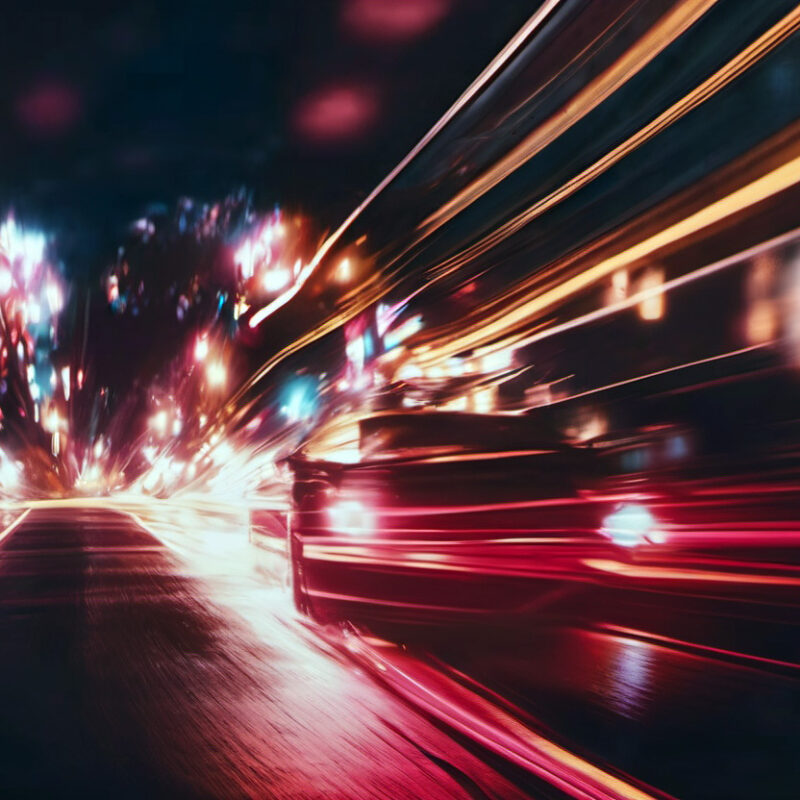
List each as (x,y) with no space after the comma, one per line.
(687,723)
(121,676)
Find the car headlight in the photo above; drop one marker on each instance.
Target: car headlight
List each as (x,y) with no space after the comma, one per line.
(350,516)
(631,524)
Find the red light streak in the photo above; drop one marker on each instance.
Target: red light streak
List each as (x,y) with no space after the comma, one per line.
(676,574)
(492,726)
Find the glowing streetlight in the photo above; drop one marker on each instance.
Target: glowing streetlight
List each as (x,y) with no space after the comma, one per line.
(54,299)
(201,349)
(216,374)
(159,422)
(276,279)
(6,281)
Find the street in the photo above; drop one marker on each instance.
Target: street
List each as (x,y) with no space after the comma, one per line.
(120,678)
(399,400)
(132,670)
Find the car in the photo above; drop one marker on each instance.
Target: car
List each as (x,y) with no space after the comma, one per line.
(448,515)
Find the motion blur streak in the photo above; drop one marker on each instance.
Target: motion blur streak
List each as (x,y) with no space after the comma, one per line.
(471,92)
(194,679)
(746,658)
(638,297)
(667,573)
(715,83)
(6,532)
(656,39)
(666,371)
(278,302)
(513,313)
(767,185)
(476,477)
(474,89)
(470,713)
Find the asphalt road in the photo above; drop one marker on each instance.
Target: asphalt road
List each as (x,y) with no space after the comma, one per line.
(136,665)
(120,676)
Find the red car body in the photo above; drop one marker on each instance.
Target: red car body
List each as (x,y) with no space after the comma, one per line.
(452,515)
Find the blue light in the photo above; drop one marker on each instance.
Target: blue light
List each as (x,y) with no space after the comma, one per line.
(369,345)
(300,400)
(677,447)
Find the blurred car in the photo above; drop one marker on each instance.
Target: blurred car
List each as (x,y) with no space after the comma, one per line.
(449,515)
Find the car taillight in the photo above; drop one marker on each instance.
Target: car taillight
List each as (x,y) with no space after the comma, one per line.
(631,524)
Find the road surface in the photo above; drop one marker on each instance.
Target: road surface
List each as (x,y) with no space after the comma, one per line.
(121,677)
(171,664)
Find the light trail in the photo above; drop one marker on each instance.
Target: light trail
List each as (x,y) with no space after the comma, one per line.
(759,189)
(666,371)
(711,86)
(694,575)
(668,286)
(365,299)
(723,77)
(497,63)
(9,529)
(783,177)
(490,725)
(283,299)
(654,41)
(704,650)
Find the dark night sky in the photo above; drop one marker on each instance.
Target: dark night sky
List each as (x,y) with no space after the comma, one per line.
(104,110)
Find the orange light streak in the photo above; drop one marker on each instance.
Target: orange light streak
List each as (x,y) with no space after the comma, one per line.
(788,174)
(668,286)
(472,90)
(650,45)
(725,75)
